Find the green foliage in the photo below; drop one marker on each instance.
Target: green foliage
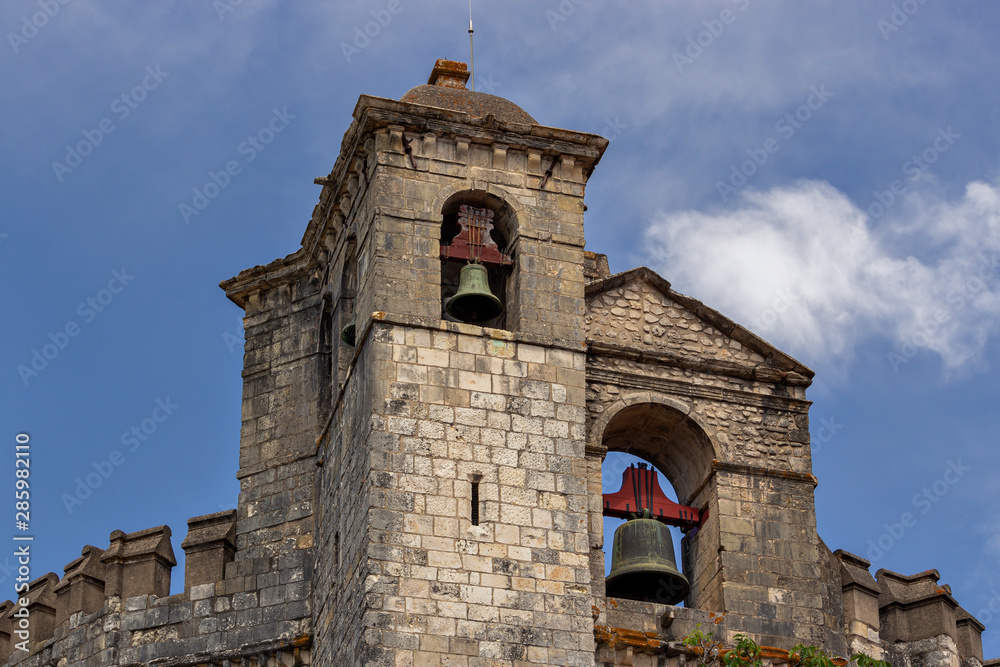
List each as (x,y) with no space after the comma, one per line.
(746,653)
(864,660)
(706,642)
(809,656)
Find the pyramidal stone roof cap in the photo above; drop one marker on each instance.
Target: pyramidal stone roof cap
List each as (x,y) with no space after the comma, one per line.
(446,89)
(854,572)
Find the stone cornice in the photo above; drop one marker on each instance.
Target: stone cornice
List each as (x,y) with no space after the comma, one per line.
(753,471)
(680,388)
(280,271)
(375,113)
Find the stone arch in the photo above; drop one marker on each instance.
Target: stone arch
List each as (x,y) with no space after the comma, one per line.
(505,220)
(664,431)
(449,191)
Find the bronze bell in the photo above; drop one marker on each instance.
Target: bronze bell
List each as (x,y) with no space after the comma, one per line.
(473,302)
(347,333)
(642,564)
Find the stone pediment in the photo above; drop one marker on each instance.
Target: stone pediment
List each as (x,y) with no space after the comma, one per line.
(637,310)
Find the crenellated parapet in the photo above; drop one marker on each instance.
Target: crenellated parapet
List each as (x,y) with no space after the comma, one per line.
(909,619)
(861,604)
(113,606)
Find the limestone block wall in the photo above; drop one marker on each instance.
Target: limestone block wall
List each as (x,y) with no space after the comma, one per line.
(344,491)
(280,415)
(458,405)
(112,607)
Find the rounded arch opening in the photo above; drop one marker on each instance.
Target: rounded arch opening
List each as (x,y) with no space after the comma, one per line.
(664,438)
(503,234)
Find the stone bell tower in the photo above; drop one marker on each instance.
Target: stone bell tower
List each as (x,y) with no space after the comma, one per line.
(446,474)
(421,451)
(452,508)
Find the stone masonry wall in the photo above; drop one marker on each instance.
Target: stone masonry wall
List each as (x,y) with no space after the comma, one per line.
(280,417)
(461,406)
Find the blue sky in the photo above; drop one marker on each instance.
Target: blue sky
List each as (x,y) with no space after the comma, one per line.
(824,172)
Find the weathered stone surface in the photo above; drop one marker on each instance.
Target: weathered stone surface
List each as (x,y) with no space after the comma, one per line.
(209,545)
(416,491)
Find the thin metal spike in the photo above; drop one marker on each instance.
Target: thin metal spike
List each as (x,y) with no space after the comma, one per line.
(472,57)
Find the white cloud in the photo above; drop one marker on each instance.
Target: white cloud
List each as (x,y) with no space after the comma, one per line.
(799,266)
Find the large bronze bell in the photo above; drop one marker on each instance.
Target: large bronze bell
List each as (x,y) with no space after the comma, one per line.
(642,564)
(473,302)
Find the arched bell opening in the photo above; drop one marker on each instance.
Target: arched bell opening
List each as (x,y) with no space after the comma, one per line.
(665,439)
(477,228)
(642,556)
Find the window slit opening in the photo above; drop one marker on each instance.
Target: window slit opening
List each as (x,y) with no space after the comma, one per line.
(475,503)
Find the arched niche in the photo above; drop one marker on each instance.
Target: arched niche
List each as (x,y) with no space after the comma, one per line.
(344,315)
(324,360)
(662,431)
(504,234)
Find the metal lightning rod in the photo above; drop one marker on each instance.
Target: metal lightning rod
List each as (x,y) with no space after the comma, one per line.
(472,58)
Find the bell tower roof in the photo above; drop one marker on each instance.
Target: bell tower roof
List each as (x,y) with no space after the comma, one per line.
(446,89)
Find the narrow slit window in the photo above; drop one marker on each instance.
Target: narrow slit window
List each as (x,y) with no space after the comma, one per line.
(475,503)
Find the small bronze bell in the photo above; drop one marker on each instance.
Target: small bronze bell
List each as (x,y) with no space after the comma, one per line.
(643,566)
(473,302)
(347,333)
